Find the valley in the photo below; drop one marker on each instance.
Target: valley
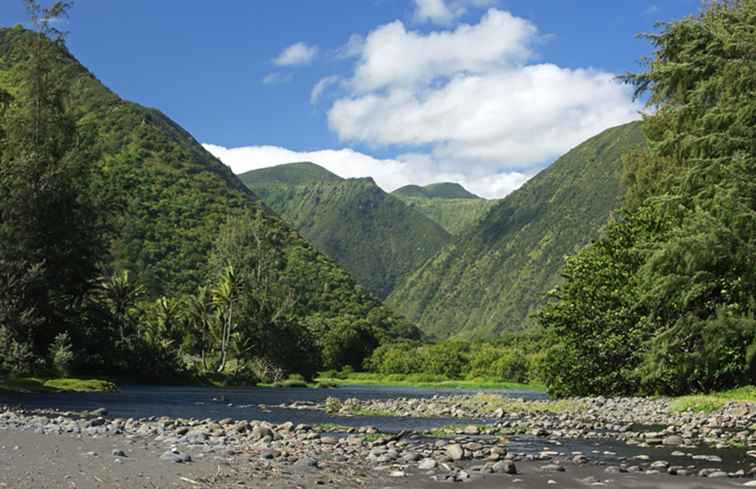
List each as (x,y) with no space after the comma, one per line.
(442,252)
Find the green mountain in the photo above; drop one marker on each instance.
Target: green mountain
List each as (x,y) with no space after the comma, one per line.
(448,204)
(372,234)
(493,276)
(172,196)
(290,174)
(443,190)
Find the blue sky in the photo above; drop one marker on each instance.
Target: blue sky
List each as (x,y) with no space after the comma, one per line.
(484,92)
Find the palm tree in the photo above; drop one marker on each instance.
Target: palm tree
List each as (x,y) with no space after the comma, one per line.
(120,295)
(201,318)
(225,296)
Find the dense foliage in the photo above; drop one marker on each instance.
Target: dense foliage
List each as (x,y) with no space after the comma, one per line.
(127,249)
(447,204)
(510,358)
(664,301)
(492,277)
(372,234)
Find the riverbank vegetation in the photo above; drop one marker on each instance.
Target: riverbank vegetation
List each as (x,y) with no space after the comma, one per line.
(664,302)
(36,384)
(127,250)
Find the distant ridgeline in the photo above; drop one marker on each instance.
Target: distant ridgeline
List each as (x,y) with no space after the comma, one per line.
(174,196)
(496,272)
(372,234)
(448,204)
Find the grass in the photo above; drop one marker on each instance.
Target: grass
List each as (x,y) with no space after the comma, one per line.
(39,384)
(708,403)
(425,381)
(453,429)
(297,381)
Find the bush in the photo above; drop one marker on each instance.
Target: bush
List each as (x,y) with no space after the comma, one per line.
(16,357)
(701,355)
(62,355)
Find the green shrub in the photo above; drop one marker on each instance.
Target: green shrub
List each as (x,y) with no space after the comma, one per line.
(62,355)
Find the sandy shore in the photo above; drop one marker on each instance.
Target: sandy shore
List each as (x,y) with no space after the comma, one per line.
(55,461)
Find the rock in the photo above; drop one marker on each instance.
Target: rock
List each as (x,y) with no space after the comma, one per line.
(552,468)
(673,440)
(427,464)
(306,463)
(750,484)
(716,474)
(455,451)
(96,422)
(260,432)
(580,459)
(118,453)
(99,412)
(660,465)
(269,453)
(196,436)
(505,467)
(176,457)
(397,473)
(471,430)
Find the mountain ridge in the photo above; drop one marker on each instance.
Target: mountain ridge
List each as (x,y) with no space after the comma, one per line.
(374,235)
(491,277)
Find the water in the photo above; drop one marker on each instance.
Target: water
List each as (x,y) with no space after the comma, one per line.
(258,404)
(204,402)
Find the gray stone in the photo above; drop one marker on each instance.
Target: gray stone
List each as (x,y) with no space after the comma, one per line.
(176,457)
(552,468)
(505,467)
(672,440)
(427,464)
(455,451)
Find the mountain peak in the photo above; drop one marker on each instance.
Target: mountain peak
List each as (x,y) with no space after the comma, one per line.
(289,173)
(442,190)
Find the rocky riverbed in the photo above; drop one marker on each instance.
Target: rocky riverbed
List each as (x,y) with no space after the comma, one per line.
(643,422)
(94,450)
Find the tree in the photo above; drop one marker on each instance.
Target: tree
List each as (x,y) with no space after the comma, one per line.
(664,301)
(225,297)
(49,220)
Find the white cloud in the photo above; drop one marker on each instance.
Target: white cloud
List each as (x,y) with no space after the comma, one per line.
(389,174)
(392,56)
(471,96)
(509,118)
(296,54)
(470,103)
(276,79)
(321,86)
(443,12)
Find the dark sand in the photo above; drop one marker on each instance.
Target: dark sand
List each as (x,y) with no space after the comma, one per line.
(37,461)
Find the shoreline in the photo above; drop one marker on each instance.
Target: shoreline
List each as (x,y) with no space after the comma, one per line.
(223,453)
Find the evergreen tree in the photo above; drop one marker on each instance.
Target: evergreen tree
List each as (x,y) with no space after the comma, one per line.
(49,220)
(669,308)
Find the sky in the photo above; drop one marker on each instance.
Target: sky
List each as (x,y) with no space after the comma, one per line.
(481,92)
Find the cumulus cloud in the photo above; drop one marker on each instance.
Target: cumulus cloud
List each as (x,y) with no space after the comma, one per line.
(470,102)
(389,174)
(392,56)
(472,97)
(296,54)
(443,12)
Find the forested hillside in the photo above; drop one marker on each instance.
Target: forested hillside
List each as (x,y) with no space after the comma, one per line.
(491,278)
(664,301)
(190,265)
(448,204)
(372,234)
